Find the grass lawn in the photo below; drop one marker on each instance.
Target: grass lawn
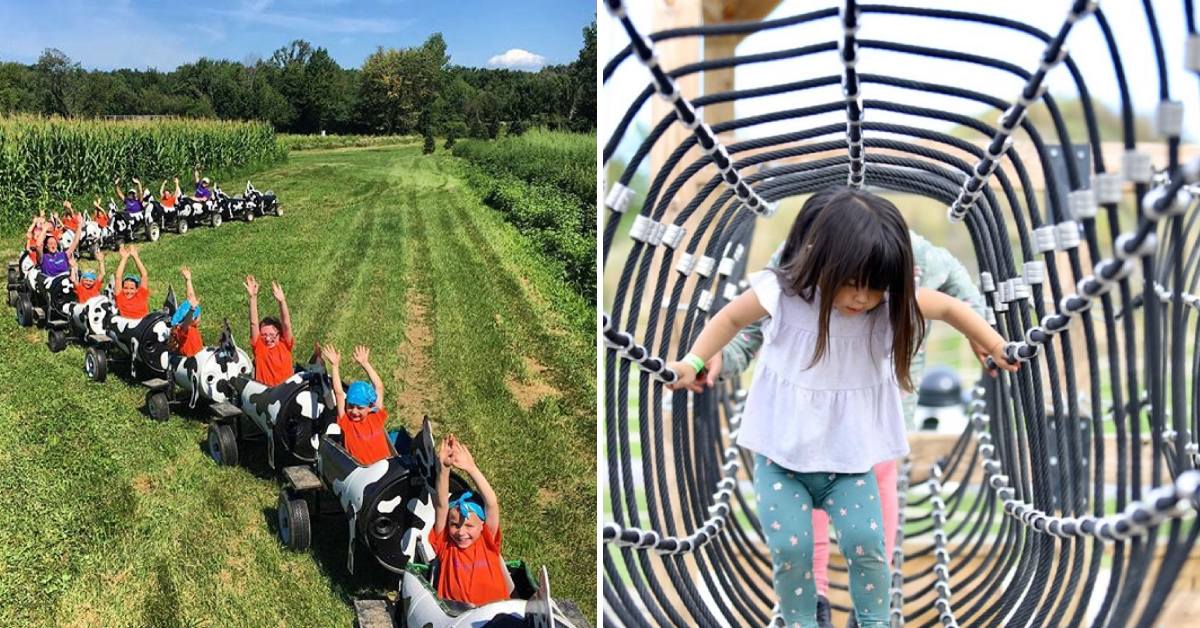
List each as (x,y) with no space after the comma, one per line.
(112,519)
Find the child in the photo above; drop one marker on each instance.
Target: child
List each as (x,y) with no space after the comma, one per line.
(361,416)
(824,406)
(88,282)
(133,299)
(167,199)
(52,260)
(937,269)
(271,339)
(100,216)
(185,330)
(466,535)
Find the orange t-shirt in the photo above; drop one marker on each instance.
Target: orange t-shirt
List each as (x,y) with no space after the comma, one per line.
(191,344)
(273,365)
(101,219)
(366,440)
(70,223)
(83,294)
(168,199)
(474,575)
(136,307)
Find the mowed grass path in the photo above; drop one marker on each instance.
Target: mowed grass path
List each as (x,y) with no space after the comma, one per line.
(112,519)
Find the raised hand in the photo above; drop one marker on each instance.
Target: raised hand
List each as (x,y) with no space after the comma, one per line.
(331,355)
(277,290)
(462,457)
(362,354)
(251,285)
(186,272)
(446,451)
(124,252)
(136,181)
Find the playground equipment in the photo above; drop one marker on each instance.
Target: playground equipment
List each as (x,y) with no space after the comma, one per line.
(1063,500)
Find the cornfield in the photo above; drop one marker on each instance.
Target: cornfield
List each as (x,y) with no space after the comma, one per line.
(46,160)
(312,142)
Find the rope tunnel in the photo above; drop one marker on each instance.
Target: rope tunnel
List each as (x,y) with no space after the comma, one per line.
(1070,496)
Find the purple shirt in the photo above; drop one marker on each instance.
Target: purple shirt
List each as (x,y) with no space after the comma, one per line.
(202,192)
(55,264)
(133,206)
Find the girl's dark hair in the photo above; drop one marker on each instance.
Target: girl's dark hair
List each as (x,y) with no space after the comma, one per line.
(844,235)
(274,322)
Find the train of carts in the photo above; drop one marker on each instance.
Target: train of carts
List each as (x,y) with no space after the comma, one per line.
(387,506)
(188,212)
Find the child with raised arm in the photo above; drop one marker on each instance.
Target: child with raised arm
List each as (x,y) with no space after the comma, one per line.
(133,197)
(185,323)
(168,199)
(845,320)
(87,282)
(133,298)
(271,339)
(466,533)
(361,416)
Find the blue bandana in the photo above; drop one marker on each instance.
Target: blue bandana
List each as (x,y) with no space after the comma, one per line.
(88,274)
(182,312)
(361,394)
(465,508)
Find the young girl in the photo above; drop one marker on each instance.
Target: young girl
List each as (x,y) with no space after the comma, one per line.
(133,299)
(133,198)
(203,193)
(824,406)
(168,199)
(52,259)
(185,323)
(271,339)
(466,534)
(87,282)
(361,416)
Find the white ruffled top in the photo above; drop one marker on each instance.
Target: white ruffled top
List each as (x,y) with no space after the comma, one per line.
(841,415)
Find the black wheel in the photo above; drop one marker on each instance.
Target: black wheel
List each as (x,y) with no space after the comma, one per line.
(56,340)
(153,232)
(214,219)
(95,364)
(12,297)
(181,225)
(295,530)
(222,444)
(24,310)
(158,405)
(94,251)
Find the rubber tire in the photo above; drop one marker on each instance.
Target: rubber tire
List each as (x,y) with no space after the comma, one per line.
(153,232)
(214,219)
(12,297)
(295,529)
(24,310)
(94,251)
(95,364)
(222,444)
(56,340)
(248,216)
(181,225)
(157,405)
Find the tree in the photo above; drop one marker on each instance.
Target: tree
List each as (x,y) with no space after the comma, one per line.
(582,115)
(57,77)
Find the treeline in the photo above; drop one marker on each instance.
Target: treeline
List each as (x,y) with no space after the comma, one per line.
(301,89)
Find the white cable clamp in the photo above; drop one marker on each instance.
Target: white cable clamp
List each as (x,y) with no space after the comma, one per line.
(725,268)
(1044,239)
(642,227)
(986,283)
(705,301)
(730,292)
(1067,234)
(1168,118)
(1082,204)
(1015,123)
(1191,55)
(705,266)
(1019,290)
(739,252)
(1107,186)
(687,262)
(619,197)
(1037,95)
(1034,272)
(990,317)
(1137,167)
(1003,292)
(1191,170)
(1000,306)
(673,236)
(656,234)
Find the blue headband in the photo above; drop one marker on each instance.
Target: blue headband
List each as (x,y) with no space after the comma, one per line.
(137,281)
(182,312)
(361,394)
(88,274)
(465,508)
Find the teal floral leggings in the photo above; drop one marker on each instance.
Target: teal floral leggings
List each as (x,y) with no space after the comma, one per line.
(785,502)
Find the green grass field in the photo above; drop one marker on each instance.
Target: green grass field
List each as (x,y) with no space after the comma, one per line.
(112,519)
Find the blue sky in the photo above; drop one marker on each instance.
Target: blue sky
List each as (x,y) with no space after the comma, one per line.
(143,33)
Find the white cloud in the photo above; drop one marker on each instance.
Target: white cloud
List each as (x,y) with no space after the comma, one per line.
(517,59)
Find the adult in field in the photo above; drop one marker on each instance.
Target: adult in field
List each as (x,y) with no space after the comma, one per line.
(203,193)
(52,259)
(271,339)
(937,269)
(133,197)
(133,299)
